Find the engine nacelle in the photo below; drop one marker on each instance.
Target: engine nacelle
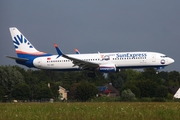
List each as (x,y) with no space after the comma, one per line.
(107,68)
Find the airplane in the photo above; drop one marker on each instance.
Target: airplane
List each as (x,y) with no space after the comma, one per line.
(29,56)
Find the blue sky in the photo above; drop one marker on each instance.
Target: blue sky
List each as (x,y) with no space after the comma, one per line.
(91,26)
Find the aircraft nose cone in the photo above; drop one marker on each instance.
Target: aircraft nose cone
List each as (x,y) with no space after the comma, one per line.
(171,61)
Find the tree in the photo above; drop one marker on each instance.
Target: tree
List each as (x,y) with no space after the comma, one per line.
(21,92)
(127,95)
(133,75)
(174,78)
(150,74)
(85,91)
(35,92)
(147,88)
(162,92)
(2,93)
(9,77)
(117,81)
(132,86)
(72,92)
(54,88)
(44,91)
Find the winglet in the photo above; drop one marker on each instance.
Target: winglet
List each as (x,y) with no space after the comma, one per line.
(77,51)
(60,53)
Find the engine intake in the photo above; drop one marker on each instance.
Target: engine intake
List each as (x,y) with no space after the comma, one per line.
(107,68)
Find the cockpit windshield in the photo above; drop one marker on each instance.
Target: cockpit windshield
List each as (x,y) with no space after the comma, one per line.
(164,56)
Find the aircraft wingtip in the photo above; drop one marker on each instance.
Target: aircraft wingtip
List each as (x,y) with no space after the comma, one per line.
(55,45)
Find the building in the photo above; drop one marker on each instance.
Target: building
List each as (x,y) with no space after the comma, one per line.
(108,90)
(63,93)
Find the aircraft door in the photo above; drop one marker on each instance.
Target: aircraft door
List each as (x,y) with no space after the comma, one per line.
(153,58)
(39,62)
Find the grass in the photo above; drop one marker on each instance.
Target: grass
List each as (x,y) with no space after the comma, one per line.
(90,111)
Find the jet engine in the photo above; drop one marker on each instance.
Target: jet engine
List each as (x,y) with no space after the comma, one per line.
(107,68)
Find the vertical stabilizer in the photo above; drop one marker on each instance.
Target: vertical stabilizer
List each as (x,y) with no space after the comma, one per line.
(22,46)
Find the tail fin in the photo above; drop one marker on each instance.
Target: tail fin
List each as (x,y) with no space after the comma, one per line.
(22,46)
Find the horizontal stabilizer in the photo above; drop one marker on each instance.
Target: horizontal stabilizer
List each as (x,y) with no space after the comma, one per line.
(19,59)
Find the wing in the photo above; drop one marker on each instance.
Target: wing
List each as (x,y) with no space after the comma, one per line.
(86,65)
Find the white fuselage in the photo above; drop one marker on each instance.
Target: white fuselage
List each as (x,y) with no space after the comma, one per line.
(29,56)
(119,59)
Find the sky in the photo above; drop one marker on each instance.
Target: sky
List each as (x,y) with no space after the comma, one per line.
(92,26)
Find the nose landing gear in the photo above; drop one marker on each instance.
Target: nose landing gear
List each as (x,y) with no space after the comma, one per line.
(159,68)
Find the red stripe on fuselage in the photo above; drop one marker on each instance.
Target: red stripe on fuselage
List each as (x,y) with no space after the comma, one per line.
(33,53)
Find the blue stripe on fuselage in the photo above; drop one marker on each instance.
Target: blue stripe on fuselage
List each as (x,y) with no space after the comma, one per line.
(30,58)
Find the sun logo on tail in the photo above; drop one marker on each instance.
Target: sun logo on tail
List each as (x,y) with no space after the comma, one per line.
(21,41)
(21,44)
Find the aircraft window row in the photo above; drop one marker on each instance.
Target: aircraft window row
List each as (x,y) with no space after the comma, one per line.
(97,59)
(91,59)
(59,61)
(71,60)
(129,58)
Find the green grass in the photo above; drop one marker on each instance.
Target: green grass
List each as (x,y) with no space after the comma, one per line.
(90,111)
